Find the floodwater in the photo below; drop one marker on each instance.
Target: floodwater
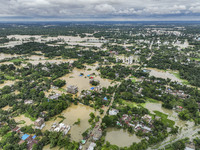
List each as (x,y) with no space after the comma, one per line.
(47,147)
(121,137)
(72,114)
(71,40)
(172,115)
(162,74)
(6,108)
(43,61)
(7,82)
(3,56)
(27,120)
(82,83)
(187,128)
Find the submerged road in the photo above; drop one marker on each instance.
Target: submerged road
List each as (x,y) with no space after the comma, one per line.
(98,124)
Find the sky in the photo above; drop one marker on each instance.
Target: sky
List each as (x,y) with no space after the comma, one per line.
(99,10)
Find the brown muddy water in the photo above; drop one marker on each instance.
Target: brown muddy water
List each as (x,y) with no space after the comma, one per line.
(162,74)
(83,82)
(7,82)
(172,115)
(71,115)
(27,120)
(121,137)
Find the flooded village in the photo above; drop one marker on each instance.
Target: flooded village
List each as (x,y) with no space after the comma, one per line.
(93,92)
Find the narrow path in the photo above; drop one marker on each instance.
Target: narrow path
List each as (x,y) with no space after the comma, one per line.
(98,124)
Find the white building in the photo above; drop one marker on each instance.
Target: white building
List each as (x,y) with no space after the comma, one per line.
(92,146)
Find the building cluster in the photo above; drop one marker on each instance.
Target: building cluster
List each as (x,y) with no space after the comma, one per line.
(178,93)
(92,146)
(60,128)
(127,60)
(39,123)
(97,133)
(137,125)
(54,96)
(25,138)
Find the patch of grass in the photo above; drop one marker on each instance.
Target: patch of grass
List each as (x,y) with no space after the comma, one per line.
(9,77)
(22,122)
(62,90)
(177,75)
(134,79)
(7,135)
(16,60)
(164,118)
(28,116)
(62,117)
(132,104)
(197,59)
(151,100)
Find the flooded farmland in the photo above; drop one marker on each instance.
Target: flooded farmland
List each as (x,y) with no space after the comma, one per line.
(71,115)
(22,118)
(7,83)
(162,74)
(82,82)
(121,137)
(172,115)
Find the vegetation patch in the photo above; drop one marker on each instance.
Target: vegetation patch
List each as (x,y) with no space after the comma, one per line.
(164,118)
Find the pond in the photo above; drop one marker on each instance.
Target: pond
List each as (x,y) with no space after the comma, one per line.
(121,137)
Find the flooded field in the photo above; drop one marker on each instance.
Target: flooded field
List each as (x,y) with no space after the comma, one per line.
(120,137)
(3,56)
(82,82)
(71,40)
(57,61)
(172,115)
(7,82)
(162,74)
(6,108)
(22,118)
(72,114)
(47,147)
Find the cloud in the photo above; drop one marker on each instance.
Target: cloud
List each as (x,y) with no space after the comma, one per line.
(104,8)
(99,8)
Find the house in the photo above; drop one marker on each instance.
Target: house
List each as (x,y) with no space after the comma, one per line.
(91,146)
(30,141)
(113,112)
(126,118)
(105,99)
(39,123)
(97,88)
(55,96)
(28,102)
(143,128)
(60,128)
(16,129)
(72,89)
(190,146)
(147,118)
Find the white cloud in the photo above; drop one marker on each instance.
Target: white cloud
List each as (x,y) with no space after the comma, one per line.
(98,8)
(104,8)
